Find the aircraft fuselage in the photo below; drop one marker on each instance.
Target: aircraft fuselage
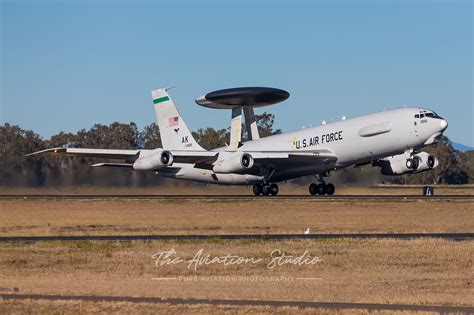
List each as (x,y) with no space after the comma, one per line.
(354,140)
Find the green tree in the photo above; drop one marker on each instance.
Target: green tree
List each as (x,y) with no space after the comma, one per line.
(150,137)
(114,136)
(15,168)
(265,123)
(210,138)
(467,163)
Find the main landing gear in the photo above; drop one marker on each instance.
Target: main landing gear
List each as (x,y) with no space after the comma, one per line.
(322,188)
(265,189)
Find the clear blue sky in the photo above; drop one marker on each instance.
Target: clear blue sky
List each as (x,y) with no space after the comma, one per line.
(66,65)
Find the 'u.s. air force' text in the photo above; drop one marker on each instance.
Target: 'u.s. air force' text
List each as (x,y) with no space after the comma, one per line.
(317,140)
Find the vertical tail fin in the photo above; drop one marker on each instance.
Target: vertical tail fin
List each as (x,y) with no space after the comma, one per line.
(175,135)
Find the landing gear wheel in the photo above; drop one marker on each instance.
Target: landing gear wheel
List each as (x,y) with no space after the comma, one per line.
(330,189)
(273,189)
(313,189)
(322,189)
(257,189)
(265,190)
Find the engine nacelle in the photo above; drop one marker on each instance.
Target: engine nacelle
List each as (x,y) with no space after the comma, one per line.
(405,163)
(233,162)
(153,160)
(426,162)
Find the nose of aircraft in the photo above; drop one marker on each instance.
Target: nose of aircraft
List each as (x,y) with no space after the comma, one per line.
(444,125)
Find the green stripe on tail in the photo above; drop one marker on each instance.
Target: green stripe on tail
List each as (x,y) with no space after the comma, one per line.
(161,99)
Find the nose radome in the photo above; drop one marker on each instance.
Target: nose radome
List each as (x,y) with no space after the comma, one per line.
(444,124)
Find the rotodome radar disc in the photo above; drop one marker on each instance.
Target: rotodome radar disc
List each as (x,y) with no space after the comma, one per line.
(242,97)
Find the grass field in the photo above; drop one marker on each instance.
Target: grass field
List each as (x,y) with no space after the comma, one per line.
(72,307)
(86,217)
(183,188)
(429,271)
(418,271)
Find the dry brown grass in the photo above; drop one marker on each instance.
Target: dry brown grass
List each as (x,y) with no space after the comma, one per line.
(85,217)
(76,307)
(428,271)
(183,188)
(423,271)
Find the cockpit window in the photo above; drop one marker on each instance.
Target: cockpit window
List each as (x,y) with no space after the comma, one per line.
(432,115)
(422,115)
(417,116)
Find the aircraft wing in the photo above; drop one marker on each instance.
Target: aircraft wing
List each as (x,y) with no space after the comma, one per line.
(294,158)
(296,161)
(276,159)
(97,153)
(179,156)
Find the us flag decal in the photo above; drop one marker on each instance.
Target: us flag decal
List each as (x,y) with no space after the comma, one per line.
(173,121)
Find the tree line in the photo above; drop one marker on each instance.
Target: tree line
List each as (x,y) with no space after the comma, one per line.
(44,170)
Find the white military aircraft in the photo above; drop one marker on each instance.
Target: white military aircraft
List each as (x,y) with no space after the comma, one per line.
(391,140)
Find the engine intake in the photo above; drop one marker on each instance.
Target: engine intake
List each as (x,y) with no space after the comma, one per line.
(404,163)
(153,160)
(426,162)
(233,162)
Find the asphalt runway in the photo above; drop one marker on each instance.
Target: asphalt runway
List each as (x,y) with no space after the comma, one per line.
(244,197)
(300,304)
(403,236)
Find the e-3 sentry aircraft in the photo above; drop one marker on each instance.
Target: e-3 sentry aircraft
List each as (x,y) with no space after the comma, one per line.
(390,140)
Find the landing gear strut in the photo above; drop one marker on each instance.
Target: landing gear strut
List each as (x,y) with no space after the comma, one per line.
(265,189)
(322,188)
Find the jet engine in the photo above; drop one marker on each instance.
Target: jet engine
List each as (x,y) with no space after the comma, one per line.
(406,163)
(153,160)
(233,162)
(425,162)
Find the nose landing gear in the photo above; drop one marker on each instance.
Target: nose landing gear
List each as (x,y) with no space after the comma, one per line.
(265,189)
